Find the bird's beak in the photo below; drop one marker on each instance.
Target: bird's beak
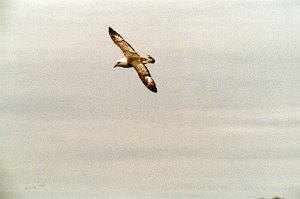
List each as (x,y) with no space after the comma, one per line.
(116,64)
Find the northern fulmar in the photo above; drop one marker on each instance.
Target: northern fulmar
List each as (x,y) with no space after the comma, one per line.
(133,59)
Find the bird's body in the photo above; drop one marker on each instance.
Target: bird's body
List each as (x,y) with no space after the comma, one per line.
(133,59)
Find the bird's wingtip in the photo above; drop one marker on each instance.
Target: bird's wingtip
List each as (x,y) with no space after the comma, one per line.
(110,30)
(154,90)
(150,84)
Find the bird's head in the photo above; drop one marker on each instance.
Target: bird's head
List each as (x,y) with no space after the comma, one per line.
(121,63)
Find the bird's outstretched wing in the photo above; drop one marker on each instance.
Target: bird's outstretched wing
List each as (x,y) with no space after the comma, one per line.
(119,41)
(144,74)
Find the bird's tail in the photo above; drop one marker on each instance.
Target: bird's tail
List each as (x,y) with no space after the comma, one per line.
(148,60)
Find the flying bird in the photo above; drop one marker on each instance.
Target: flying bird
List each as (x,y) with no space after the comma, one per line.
(133,59)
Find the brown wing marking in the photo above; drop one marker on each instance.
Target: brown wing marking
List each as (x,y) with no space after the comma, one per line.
(144,75)
(119,41)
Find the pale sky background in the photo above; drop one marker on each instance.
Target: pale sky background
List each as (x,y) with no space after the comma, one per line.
(225,123)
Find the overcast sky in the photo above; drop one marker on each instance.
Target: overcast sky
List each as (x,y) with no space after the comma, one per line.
(224,124)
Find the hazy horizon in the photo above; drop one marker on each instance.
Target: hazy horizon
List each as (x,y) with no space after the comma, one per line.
(224,124)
